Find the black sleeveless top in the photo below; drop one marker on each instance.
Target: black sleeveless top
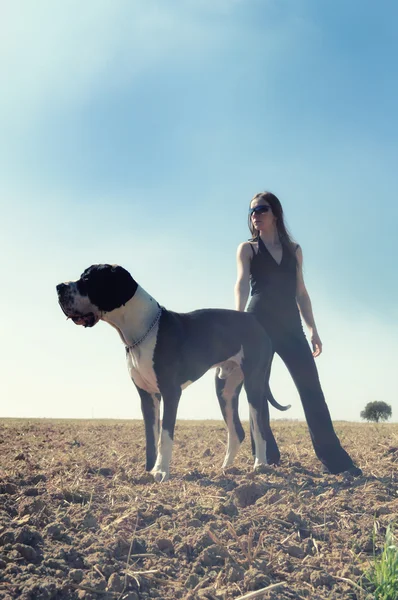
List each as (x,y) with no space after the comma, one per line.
(273,289)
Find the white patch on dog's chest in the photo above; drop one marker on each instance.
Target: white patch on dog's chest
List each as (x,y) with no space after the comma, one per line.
(140,365)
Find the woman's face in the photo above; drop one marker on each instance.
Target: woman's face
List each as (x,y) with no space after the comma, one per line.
(261,215)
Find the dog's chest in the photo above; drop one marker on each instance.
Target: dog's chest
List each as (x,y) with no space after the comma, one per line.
(140,366)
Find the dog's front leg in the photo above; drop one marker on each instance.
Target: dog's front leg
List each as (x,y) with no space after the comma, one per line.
(171,398)
(150,406)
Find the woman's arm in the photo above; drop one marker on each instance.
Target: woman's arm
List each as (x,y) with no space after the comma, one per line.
(242,286)
(305,307)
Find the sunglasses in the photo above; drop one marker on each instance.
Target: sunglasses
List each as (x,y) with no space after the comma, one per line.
(260,210)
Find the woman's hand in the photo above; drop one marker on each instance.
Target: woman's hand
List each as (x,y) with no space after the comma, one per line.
(304,304)
(316,343)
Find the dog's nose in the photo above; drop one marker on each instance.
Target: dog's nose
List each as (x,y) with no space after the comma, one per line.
(61,288)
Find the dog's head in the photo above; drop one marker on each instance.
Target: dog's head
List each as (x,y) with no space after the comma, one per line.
(100,289)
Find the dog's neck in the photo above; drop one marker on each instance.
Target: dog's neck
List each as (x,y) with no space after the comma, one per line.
(134,319)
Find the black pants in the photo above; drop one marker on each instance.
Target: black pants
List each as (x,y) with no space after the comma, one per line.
(294,350)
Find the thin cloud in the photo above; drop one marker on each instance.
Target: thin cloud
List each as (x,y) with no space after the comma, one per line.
(61,52)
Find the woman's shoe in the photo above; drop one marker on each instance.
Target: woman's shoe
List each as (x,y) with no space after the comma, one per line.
(353,471)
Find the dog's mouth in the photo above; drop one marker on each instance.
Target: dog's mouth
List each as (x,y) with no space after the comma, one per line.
(87,320)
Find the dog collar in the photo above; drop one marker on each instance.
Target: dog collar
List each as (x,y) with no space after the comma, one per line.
(138,342)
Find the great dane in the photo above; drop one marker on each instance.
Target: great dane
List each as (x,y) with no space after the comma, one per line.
(166,351)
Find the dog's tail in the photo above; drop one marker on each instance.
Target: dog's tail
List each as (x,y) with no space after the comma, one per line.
(271,399)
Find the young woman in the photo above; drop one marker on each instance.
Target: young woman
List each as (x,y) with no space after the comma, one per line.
(272,263)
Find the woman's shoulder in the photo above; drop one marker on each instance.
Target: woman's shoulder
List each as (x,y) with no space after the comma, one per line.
(292,246)
(298,254)
(248,249)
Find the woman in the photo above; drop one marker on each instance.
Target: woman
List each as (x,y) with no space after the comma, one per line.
(272,263)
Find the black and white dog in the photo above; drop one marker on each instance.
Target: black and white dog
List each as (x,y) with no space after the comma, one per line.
(166,351)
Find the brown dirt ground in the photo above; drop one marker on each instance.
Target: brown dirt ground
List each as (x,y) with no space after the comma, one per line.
(80,519)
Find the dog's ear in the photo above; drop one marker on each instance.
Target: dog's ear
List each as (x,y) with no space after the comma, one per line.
(109,286)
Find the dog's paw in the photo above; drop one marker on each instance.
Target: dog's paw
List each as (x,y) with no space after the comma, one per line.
(259,465)
(264,469)
(160,476)
(227,463)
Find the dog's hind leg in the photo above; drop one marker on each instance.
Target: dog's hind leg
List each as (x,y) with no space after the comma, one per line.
(171,398)
(228,397)
(265,408)
(257,433)
(273,454)
(254,386)
(150,407)
(255,366)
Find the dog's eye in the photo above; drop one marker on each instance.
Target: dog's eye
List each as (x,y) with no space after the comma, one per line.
(82,286)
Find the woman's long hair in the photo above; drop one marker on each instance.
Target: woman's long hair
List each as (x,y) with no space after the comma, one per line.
(285,237)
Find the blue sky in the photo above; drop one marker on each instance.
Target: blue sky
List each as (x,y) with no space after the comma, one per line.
(137,132)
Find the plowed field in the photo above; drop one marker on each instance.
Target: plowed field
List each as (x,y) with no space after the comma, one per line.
(79,517)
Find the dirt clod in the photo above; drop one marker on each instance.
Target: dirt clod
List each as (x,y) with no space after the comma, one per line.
(192,581)
(55,531)
(165,545)
(320,578)
(295,551)
(115,583)
(213,555)
(248,493)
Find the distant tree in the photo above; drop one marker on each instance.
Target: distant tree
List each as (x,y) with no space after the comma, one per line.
(376,411)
